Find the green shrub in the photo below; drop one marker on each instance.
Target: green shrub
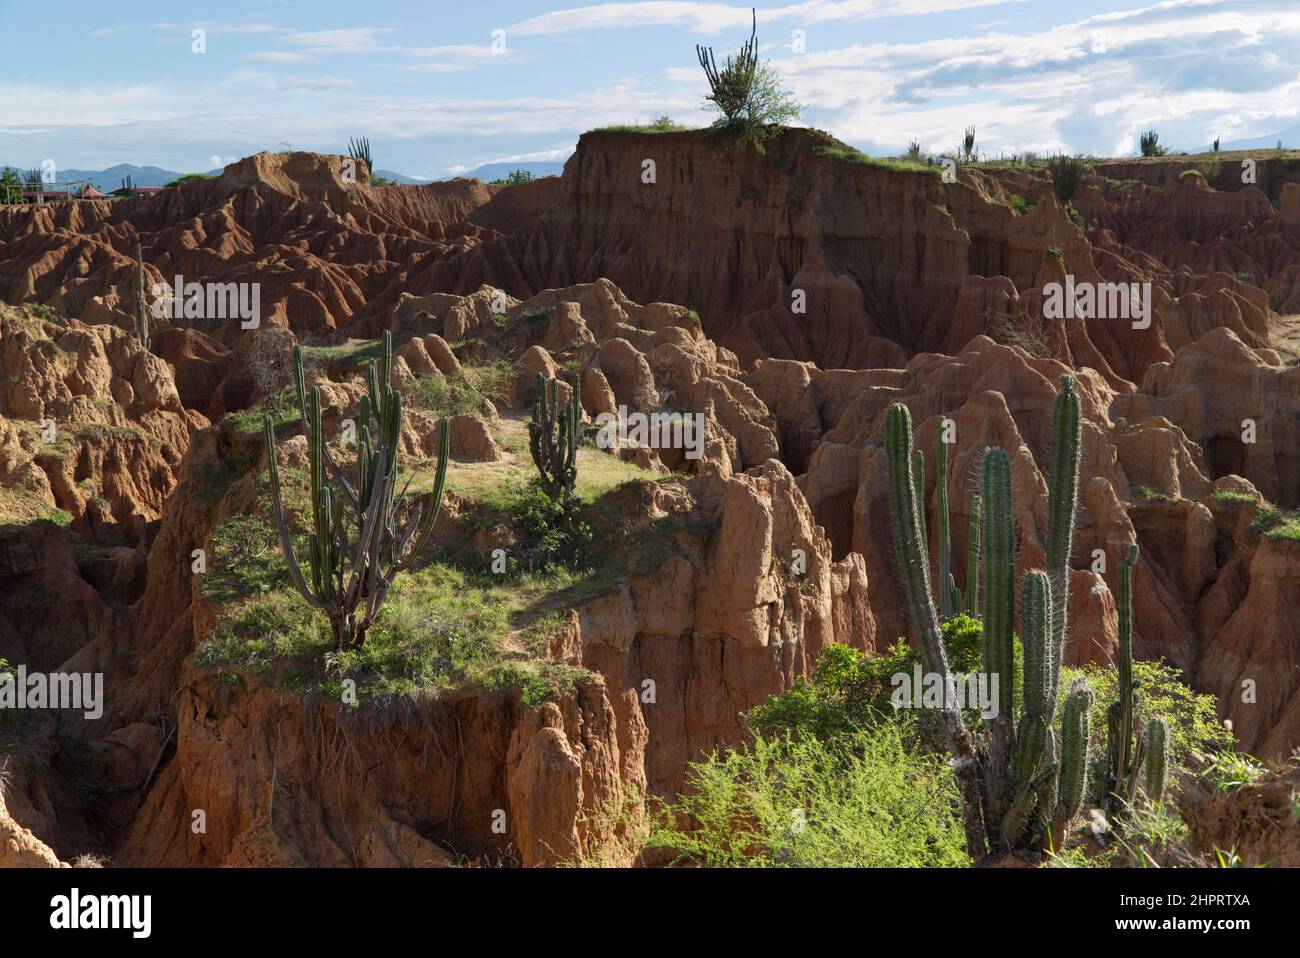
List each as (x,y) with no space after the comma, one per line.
(462,393)
(748,95)
(552,531)
(864,802)
(1195,732)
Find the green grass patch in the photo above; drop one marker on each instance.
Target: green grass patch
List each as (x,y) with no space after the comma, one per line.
(462,393)
(662,125)
(1276,524)
(847,154)
(1229,497)
(1021,205)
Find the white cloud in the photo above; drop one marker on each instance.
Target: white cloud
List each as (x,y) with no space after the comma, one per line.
(714,17)
(278,56)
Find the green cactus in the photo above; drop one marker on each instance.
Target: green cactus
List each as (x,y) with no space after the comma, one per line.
(947,608)
(1076,734)
(553,437)
(912,558)
(1155,758)
(999,548)
(356,546)
(1031,780)
(1122,751)
(1035,638)
(1062,507)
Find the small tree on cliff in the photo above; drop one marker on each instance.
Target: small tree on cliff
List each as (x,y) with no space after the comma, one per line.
(748,94)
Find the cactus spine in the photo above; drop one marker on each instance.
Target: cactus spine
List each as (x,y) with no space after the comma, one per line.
(350,574)
(553,438)
(973,559)
(1062,507)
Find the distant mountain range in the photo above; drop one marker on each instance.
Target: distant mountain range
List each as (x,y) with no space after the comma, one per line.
(111,179)
(489,172)
(1289,137)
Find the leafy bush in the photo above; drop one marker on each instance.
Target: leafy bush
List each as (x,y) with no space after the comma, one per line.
(863,801)
(515,177)
(463,393)
(850,690)
(552,530)
(1195,732)
(748,94)
(1150,144)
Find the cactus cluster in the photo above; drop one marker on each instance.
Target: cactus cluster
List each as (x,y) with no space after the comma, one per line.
(361,535)
(553,437)
(1026,778)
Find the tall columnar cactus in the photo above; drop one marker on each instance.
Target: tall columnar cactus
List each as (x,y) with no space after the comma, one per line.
(553,437)
(1062,507)
(356,545)
(913,561)
(947,606)
(1155,758)
(973,558)
(999,548)
(1035,639)
(1076,734)
(141,308)
(1122,750)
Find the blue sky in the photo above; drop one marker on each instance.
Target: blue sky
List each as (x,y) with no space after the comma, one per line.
(104,83)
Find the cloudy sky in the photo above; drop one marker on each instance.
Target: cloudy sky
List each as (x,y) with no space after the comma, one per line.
(441,86)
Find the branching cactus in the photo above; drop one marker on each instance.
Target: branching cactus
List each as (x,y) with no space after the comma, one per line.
(1031,779)
(553,437)
(356,545)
